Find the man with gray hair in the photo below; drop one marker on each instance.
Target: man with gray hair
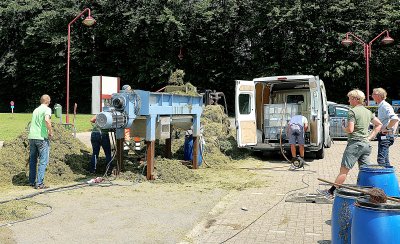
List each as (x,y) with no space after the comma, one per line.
(389,121)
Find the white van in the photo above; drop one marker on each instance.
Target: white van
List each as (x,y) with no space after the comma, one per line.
(264,106)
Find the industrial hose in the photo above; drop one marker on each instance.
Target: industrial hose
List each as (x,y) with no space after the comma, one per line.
(280,136)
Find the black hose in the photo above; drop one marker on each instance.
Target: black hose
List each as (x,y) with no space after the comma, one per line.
(255,220)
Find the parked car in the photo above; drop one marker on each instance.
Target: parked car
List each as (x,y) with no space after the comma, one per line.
(337,117)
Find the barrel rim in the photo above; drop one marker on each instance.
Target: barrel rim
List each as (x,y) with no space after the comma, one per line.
(386,169)
(347,193)
(363,202)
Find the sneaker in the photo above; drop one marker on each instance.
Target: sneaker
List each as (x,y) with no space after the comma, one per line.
(326,194)
(41,186)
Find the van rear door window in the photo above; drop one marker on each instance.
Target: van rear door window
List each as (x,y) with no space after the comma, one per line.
(244,104)
(295,98)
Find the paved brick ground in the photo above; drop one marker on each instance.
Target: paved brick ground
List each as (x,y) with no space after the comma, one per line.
(269,219)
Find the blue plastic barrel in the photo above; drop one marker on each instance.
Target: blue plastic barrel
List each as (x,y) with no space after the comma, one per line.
(188,150)
(375,223)
(383,177)
(342,214)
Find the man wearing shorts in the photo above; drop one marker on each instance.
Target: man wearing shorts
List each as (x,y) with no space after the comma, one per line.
(358,148)
(298,124)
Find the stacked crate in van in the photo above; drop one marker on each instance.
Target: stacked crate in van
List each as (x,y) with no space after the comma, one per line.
(276,117)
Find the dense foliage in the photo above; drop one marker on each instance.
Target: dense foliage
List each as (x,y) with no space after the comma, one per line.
(219,41)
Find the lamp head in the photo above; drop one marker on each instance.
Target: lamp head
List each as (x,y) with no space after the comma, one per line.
(387,40)
(347,42)
(89,21)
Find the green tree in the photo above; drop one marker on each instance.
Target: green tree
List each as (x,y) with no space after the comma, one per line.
(214,42)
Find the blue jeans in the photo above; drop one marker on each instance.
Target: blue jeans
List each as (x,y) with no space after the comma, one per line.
(98,140)
(383,149)
(41,149)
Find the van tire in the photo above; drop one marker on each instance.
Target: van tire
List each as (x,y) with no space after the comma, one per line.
(320,153)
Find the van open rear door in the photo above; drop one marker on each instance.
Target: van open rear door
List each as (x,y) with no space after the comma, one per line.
(325,121)
(246,130)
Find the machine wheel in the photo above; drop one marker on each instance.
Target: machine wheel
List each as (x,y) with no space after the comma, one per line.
(320,153)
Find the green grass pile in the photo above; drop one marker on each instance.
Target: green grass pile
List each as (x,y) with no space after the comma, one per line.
(69,158)
(220,143)
(67,162)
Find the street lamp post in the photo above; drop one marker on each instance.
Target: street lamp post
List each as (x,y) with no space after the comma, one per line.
(88,21)
(367,50)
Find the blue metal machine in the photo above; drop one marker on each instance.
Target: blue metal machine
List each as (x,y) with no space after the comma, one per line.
(127,105)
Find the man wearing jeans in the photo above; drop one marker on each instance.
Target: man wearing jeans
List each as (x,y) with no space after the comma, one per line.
(40,132)
(100,138)
(389,121)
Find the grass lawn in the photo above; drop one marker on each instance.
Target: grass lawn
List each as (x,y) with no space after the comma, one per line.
(11,125)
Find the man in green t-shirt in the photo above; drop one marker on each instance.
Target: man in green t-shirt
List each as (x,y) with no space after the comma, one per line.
(40,132)
(358,148)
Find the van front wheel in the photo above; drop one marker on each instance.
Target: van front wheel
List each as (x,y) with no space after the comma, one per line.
(320,153)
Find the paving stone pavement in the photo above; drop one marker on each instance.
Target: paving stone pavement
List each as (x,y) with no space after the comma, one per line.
(263,216)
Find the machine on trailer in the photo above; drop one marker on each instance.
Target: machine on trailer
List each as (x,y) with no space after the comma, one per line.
(152,108)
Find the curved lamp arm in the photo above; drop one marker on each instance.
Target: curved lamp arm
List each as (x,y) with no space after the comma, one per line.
(91,22)
(355,37)
(370,43)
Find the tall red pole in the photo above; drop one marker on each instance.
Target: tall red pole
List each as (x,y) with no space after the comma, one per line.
(68,58)
(367,47)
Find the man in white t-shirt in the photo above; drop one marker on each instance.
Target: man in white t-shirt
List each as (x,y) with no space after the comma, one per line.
(297,125)
(390,121)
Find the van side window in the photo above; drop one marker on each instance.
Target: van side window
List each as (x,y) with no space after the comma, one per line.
(244,103)
(295,99)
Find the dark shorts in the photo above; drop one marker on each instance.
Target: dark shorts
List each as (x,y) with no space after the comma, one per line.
(296,135)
